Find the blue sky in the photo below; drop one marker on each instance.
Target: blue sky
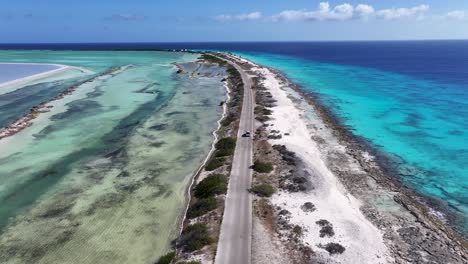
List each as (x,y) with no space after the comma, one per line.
(236,20)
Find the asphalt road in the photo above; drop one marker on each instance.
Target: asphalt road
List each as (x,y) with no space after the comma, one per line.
(234,245)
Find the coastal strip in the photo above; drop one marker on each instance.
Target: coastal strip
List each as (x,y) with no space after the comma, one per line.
(201,222)
(60,68)
(27,120)
(322,195)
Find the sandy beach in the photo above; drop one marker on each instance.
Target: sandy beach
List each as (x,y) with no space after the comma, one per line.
(12,85)
(363,241)
(367,216)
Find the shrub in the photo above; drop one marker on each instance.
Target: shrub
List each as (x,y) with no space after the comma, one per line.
(262,167)
(334,248)
(228,119)
(225,147)
(263,190)
(194,237)
(267,111)
(213,59)
(201,207)
(211,185)
(322,222)
(327,231)
(233,72)
(327,228)
(297,230)
(166,259)
(214,163)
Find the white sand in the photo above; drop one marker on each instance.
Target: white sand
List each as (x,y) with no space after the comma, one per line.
(266,249)
(17,83)
(362,240)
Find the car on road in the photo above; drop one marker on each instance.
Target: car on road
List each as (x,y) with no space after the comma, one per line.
(246,134)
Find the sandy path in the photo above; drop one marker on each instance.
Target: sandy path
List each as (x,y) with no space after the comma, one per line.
(362,240)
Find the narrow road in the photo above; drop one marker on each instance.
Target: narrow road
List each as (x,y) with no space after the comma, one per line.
(234,245)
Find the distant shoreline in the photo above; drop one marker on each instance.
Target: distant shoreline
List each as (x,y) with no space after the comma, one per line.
(38,76)
(59,68)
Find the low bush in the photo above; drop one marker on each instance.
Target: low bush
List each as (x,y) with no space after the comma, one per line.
(233,72)
(334,248)
(210,186)
(297,230)
(262,167)
(194,237)
(327,231)
(267,111)
(228,119)
(201,207)
(225,147)
(323,222)
(262,118)
(213,59)
(214,163)
(263,190)
(166,259)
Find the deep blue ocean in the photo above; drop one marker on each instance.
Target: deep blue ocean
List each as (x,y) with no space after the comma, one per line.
(408,99)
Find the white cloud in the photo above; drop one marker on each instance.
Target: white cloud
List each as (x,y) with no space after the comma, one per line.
(457,14)
(396,13)
(364,11)
(347,11)
(126,17)
(339,12)
(241,17)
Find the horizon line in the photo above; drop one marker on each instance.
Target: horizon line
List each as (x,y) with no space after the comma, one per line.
(236,41)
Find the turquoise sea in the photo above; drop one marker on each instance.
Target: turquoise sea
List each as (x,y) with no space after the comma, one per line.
(419,124)
(102,177)
(408,99)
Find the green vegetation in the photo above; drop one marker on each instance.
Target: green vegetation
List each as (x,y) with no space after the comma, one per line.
(262,167)
(233,72)
(201,207)
(228,119)
(297,230)
(333,248)
(211,185)
(167,259)
(214,163)
(225,147)
(267,111)
(213,59)
(263,190)
(194,237)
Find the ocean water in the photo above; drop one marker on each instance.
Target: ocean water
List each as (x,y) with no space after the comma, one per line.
(102,177)
(409,100)
(9,72)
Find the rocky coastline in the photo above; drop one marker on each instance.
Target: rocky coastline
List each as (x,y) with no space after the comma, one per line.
(420,234)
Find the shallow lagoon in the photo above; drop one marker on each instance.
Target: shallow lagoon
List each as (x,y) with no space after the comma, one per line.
(9,72)
(102,177)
